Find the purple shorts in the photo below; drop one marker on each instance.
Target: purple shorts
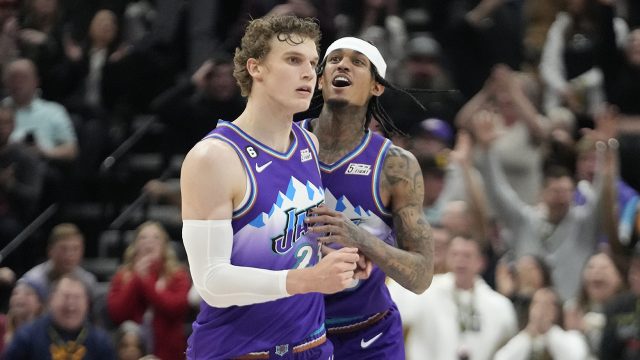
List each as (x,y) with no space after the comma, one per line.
(382,340)
(324,351)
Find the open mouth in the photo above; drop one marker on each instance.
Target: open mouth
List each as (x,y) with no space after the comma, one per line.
(341,81)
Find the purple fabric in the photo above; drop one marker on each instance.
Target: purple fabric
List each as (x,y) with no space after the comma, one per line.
(625,193)
(352,187)
(269,233)
(382,340)
(322,352)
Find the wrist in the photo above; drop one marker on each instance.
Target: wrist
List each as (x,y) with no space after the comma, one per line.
(298,281)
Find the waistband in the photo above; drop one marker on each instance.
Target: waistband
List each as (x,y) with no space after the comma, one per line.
(359,325)
(316,339)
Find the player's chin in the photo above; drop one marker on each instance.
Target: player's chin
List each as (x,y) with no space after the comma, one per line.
(301,105)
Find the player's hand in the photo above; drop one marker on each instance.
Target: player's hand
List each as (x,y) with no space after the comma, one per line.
(335,271)
(335,226)
(364,267)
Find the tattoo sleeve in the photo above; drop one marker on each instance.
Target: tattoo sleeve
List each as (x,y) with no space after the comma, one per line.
(411,263)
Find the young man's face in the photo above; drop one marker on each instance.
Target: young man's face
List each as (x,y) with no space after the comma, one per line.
(288,72)
(347,79)
(558,195)
(66,254)
(464,259)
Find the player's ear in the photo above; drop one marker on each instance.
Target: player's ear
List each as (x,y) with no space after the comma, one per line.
(254,68)
(320,79)
(377,89)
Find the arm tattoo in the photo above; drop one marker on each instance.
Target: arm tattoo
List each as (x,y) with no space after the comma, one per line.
(411,264)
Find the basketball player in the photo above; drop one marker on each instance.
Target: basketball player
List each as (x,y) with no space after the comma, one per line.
(373,193)
(246,190)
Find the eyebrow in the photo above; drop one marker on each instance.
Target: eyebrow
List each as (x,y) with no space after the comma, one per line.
(297,53)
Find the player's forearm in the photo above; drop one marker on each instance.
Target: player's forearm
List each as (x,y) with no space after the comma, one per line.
(411,265)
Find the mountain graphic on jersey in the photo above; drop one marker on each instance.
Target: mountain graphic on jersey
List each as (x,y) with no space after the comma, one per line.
(284,223)
(366,219)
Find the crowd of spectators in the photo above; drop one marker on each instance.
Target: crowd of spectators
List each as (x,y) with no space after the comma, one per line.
(527,137)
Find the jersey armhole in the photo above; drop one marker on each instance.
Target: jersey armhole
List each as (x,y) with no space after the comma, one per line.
(375,181)
(305,133)
(250,188)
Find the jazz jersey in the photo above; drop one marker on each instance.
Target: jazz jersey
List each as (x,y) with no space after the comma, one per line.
(268,233)
(352,186)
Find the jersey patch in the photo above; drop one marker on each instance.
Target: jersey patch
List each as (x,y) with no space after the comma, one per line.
(305,155)
(358,169)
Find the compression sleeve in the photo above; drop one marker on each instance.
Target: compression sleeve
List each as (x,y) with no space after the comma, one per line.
(208,244)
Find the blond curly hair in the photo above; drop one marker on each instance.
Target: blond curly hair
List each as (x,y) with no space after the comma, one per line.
(256,39)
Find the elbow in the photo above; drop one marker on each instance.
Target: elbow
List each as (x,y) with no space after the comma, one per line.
(423,283)
(212,299)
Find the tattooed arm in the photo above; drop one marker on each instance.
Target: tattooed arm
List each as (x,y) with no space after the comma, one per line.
(411,264)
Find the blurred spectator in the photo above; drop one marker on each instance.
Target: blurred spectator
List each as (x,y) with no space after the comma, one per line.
(376,21)
(43,124)
(40,37)
(91,81)
(476,35)
(626,203)
(433,177)
(422,67)
(543,338)
(460,167)
(460,316)
(561,144)
(620,64)
(90,75)
(192,108)
(565,235)
(212,26)
(455,201)
(457,218)
(441,241)
(8,33)
(568,68)
(518,151)
(130,343)
(77,14)
(601,282)
(26,303)
(431,136)
(622,82)
(64,332)
(538,17)
(621,335)
(164,191)
(520,281)
(151,289)
(65,253)
(21,177)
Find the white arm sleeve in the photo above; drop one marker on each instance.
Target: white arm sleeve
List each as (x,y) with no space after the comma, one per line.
(208,244)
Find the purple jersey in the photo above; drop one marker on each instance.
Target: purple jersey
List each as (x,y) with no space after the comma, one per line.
(352,186)
(269,233)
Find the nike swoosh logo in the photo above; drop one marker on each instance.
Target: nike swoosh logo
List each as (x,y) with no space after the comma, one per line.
(365,344)
(261,168)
